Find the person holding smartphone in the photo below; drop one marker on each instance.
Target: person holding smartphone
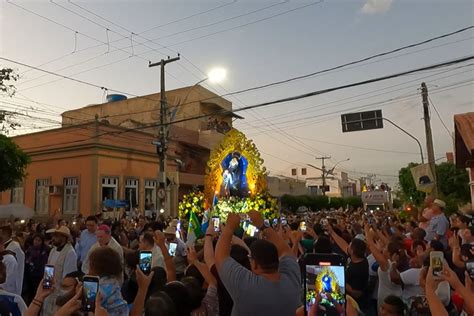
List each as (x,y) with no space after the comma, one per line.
(273,285)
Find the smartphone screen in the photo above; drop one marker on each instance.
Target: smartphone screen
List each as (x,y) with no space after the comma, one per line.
(470,268)
(245,225)
(145,261)
(275,222)
(325,285)
(215,223)
(90,288)
(48,277)
(172,249)
(436,262)
(303,226)
(251,230)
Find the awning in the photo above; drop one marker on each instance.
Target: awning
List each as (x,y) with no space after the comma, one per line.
(464,139)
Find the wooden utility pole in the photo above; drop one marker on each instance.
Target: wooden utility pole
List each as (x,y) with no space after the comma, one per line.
(323,170)
(162,143)
(429,136)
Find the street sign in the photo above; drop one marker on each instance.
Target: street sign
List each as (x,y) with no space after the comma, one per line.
(361,121)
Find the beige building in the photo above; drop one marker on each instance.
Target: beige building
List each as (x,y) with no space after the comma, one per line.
(279,186)
(104,152)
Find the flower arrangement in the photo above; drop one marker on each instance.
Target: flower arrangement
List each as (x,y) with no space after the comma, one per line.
(262,203)
(194,202)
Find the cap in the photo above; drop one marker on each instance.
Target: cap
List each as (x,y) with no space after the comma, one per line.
(63,230)
(440,203)
(170,230)
(104,228)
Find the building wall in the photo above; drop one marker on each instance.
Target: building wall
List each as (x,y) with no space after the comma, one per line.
(77,152)
(280,186)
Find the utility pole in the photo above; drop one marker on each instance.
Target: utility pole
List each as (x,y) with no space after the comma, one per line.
(323,170)
(429,136)
(162,143)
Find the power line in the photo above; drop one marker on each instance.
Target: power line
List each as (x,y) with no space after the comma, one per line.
(442,122)
(356,61)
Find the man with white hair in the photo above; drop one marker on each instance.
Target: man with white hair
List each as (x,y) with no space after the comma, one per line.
(438,225)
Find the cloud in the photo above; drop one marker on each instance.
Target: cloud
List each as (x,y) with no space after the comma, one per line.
(376,6)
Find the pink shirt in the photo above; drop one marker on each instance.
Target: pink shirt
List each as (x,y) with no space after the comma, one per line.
(428,214)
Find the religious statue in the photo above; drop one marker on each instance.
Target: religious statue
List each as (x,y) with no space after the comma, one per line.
(234,180)
(327,287)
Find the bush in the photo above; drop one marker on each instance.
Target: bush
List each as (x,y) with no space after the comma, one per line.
(292,202)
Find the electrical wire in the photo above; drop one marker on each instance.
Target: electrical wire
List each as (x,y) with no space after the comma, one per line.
(441,119)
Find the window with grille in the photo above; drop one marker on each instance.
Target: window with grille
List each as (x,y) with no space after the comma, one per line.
(131,192)
(18,193)
(150,194)
(71,195)
(109,188)
(42,196)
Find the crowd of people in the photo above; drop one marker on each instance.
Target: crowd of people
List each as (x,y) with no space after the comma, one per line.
(226,272)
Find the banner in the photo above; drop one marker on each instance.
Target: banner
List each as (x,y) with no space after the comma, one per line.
(423,177)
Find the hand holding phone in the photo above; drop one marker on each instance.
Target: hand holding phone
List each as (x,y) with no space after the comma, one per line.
(48,277)
(172,249)
(303,226)
(145,261)
(436,262)
(90,288)
(216,223)
(470,268)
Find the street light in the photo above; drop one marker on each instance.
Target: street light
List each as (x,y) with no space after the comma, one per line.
(216,75)
(334,167)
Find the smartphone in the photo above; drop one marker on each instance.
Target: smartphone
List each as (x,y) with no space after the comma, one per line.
(325,283)
(275,222)
(251,230)
(284,222)
(266,222)
(324,222)
(303,226)
(90,288)
(470,268)
(215,223)
(48,276)
(436,262)
(245,225)
(172,249)
(145,261)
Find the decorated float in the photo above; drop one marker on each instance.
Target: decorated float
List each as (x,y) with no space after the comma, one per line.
(235,181)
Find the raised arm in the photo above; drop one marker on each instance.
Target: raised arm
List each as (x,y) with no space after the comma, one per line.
(224,243)
(170,267)
(382,261)
(340,242)
(143,282)
(203,269)
(209,257)
(271,235)
(435,304)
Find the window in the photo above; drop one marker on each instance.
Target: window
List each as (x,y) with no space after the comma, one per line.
(71,195)
(42,196)
(303,171)
(294,172)
(131,192)
(109,188)
(150,195)
(18,193)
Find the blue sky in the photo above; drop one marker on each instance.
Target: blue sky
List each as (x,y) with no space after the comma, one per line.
(316,37)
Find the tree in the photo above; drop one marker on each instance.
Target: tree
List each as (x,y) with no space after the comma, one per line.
(7,121)
(453,184)
(13,160)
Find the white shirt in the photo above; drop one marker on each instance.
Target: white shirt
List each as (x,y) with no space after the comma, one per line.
(17,299)
(158,260)
(20,259)
(112,244)
(411,282)
(11,265)
(373,274)
(386,287)
(70,261)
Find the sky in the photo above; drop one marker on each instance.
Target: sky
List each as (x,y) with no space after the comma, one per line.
(257,42)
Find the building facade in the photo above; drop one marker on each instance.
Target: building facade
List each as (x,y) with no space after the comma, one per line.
(75,168)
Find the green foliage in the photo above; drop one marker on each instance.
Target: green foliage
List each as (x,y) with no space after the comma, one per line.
(408,192)
(453,185)
(292,203)
(13,162)
(6,76)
